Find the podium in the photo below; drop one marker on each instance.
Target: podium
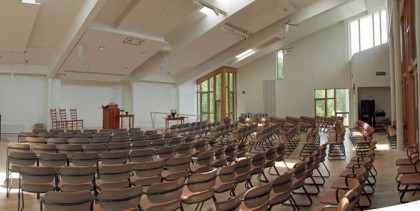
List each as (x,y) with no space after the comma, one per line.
(111,117)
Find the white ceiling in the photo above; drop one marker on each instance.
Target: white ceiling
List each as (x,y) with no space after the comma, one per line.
(180,42)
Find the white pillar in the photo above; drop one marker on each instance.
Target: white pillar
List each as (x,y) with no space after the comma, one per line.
(392,75)
(398,77)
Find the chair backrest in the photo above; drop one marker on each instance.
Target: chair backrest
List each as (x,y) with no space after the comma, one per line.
(205,158)
(114,157)
(53,159)
(84,158)
(53,113)
(73,113)
(227,173)
(18,147)
(243,166)
(149,169)
(35,140)
(79,140)
(37,175)
(69,148)
(271,154)
(41,148)
(343,204)
(68,201)
(115,172)
(77,174)
(184,149)
(119,146)
(63,115)
(258,159)
(98,148)
(231,204)
(202,181)
(141,155)
(120,199)
(56,141)
(282,183)
(20,158)
(178,163)
(166,152)
(165,191)
(257,197)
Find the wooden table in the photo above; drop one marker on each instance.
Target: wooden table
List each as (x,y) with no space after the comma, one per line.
(130,118)
(168,119)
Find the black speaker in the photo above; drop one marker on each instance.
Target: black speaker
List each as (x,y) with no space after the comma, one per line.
(367,111)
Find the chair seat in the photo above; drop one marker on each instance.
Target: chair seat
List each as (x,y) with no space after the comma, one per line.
(147,205)
(405,161)
(410,179)
(349,171)
(190,197)
(330,197)
(256,170)
(407,169)
(200,168)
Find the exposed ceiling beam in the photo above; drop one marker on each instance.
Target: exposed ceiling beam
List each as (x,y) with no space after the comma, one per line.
(76,30)
(261,37)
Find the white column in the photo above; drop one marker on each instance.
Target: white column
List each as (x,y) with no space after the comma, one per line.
(392,75)
(397,68)
(417,22)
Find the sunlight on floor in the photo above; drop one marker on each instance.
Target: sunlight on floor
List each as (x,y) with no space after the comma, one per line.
(281,164)
(382,147)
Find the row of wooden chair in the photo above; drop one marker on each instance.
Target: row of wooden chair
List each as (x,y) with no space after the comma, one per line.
(336,138)
(391,131)
(63,122)
(408,174)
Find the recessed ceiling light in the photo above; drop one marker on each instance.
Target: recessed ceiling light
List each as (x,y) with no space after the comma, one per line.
(143,53)
(101,47)
(86,65)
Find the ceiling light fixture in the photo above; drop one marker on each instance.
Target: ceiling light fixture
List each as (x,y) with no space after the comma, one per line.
(125,68)
(143,53)
(203,3)
(101,47)
(235,31)
(245,54)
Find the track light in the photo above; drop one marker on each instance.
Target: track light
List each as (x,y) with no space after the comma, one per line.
(235,31)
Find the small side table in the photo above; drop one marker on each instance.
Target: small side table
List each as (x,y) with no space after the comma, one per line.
(168,119)
(130,118)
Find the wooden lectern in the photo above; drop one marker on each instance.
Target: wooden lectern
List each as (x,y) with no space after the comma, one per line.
(111,117)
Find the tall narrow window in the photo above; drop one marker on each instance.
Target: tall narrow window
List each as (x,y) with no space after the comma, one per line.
(280,66)
(216,95)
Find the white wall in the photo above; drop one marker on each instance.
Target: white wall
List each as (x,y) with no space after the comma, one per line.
(153,97)
(88,97)
(317,61)
(250,80)
(187,98)
(23,102)
(364,66)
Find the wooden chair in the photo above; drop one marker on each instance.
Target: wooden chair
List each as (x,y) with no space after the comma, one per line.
(63,119)
(54,120)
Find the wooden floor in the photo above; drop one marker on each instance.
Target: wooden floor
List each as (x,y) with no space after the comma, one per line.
(385,192)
